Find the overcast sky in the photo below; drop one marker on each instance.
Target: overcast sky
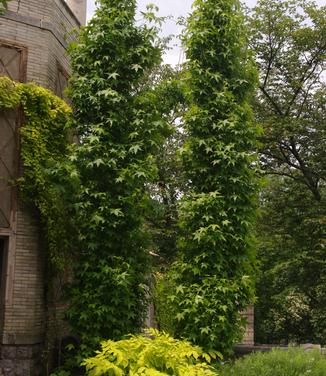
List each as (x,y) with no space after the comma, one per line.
(167,7)
(175,8)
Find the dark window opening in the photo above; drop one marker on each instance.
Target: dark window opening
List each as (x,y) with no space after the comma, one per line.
(2,258)
(3,263)
(61,82)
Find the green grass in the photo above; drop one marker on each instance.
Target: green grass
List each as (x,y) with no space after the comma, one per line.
(294,362)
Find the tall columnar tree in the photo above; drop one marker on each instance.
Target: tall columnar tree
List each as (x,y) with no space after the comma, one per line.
(213,279)
(119,128)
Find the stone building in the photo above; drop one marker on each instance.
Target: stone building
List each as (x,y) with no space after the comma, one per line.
(34,35)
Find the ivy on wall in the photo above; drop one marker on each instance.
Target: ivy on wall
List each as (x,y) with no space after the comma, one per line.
(3,6)
(44,147)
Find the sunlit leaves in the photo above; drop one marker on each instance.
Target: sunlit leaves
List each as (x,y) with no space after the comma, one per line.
(154,354)
(218,212)
(48,180)
(119,130)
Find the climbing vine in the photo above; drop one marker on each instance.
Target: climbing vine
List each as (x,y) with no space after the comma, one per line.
(214,276)
(44,147)
(3,5)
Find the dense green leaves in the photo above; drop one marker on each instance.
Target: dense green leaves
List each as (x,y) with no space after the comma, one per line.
(288,39)
(44,147)
(170,183)
(120,127)
(294,362)
(291,292)
(212,279)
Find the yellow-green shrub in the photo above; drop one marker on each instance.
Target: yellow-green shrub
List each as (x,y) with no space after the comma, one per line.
(153,354)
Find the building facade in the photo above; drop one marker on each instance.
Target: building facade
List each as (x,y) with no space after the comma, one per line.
(34,36)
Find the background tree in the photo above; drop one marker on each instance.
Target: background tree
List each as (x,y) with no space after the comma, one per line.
(213,277)
(288,38)
(291,290)
(170,183)
(289,41)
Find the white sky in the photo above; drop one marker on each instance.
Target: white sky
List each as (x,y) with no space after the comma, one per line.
(175,8)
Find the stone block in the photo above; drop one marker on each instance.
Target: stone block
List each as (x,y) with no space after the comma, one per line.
(23,368)
(8,352)
(24,352)
(7,367)
(310,346)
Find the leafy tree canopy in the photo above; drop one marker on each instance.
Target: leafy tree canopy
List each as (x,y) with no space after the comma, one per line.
(288,39)
(291,290)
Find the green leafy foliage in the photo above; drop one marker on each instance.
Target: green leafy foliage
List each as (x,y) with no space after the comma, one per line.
(154,354)
(213,279)
(10,94)
(3,5)
(288,39)
(164,314)
(291,248)
(294,362)
(44,146)
(120,129)
(166,189)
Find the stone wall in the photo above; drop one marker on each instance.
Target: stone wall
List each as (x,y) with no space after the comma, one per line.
(24,303)
(41,28)
(21,360)
(248,338)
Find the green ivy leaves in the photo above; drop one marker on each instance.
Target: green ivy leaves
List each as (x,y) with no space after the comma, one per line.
(10,93)
(3,5)
(44,146)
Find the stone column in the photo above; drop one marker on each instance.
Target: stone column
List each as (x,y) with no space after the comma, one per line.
(79,7)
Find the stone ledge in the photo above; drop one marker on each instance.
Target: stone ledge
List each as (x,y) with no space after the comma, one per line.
(36,22)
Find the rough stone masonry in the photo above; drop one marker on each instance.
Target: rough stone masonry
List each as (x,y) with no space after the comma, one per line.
(34,35)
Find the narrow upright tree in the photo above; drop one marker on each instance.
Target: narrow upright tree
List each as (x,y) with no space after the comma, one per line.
(119,128)
(214,276)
